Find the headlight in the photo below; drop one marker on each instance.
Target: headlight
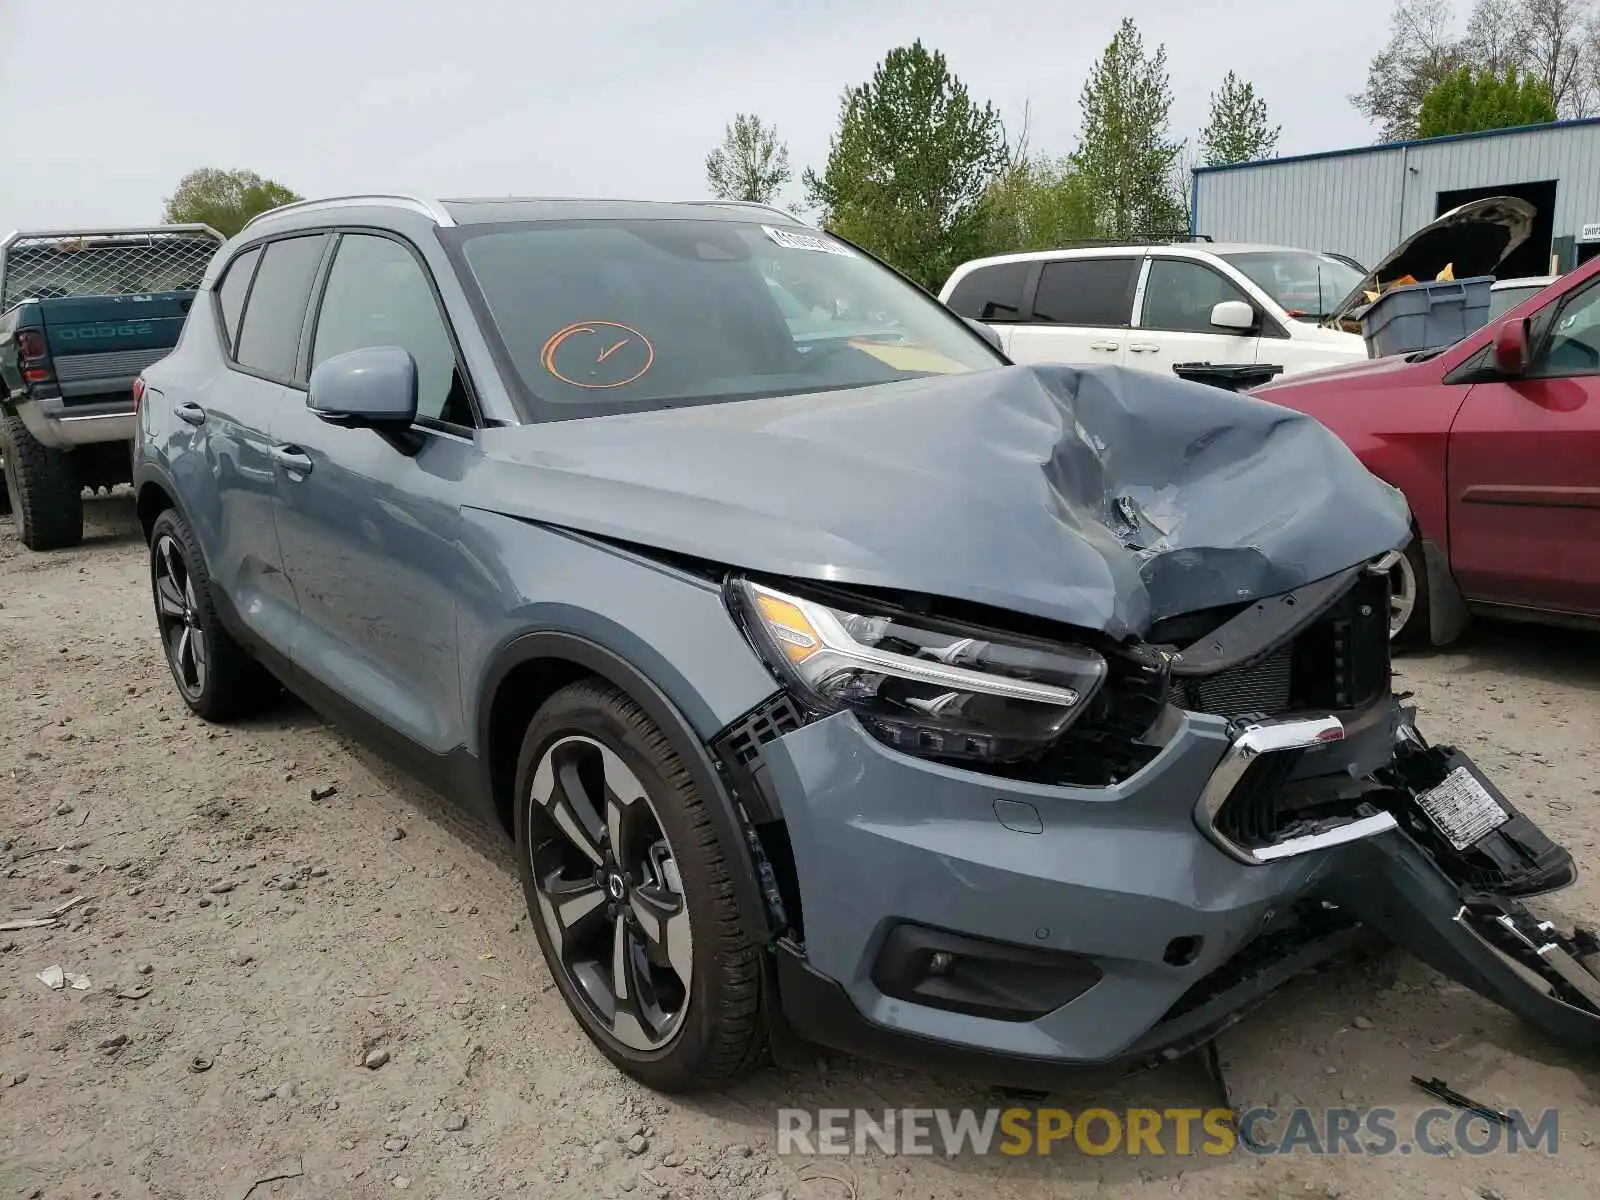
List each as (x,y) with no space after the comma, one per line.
(923,686)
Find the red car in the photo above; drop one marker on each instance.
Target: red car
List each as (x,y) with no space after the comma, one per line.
(1495,442)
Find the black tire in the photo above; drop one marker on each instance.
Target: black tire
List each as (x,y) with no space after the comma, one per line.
(45,500)
(720,1031)
(1414,630)
(228,683)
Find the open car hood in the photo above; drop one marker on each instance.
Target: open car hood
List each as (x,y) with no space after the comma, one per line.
(1100,497)
(1473,239)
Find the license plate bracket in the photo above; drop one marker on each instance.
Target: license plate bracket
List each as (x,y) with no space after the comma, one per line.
(1462,809)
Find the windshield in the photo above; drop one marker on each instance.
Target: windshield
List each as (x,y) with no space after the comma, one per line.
(1307,285)
(621,316)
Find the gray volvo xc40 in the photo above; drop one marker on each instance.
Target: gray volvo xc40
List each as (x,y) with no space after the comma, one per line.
(838,681)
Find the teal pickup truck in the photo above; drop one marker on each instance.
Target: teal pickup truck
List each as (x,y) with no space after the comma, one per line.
(82,313)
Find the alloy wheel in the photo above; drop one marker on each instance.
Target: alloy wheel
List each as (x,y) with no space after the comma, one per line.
(178,617)
(609,892)
(1402,594)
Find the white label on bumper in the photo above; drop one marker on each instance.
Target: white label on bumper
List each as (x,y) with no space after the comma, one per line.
(1462,809)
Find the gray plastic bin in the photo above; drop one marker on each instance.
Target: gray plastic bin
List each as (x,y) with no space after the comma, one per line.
(1422,316)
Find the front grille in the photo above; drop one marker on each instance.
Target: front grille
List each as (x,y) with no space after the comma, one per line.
(1337,663)
(1259,687)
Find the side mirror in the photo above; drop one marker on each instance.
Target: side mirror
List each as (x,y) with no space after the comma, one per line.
(987,333)
(375,388)
(1233,314)
(1511,348)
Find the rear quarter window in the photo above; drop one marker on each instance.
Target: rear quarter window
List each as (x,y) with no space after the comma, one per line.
(231,292)
(992,293)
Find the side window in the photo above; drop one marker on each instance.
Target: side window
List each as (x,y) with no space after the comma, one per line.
(1573,344)
(377,295)
(991,293)
(275,312)
(1086,291)
(1179,296)
(231,291)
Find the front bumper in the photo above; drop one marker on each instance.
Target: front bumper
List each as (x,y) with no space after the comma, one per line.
(54,424)
(1175,930)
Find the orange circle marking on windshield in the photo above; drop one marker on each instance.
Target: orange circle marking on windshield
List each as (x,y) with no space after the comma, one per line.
(613,337)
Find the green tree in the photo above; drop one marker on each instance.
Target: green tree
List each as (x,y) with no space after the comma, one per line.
(1125,153)
(909,169)
(224,200)
(1038,204)
(1470,100)
(1238,129)
(751,164)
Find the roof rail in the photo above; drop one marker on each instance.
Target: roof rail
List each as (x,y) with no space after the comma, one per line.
(755,204)
(1137,239)
(418,204)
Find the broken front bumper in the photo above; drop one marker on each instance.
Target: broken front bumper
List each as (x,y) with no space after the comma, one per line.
(1009,931)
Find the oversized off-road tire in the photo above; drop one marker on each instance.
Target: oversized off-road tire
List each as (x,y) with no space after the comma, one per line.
(42,487)
(214,675)
(1408,599)
(630,894)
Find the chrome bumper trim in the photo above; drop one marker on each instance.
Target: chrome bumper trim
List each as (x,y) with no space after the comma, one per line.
(1275,737)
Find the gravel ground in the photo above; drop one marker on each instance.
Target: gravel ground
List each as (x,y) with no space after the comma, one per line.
(248,948)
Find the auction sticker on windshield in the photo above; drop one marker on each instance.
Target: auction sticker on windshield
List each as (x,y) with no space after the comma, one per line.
(791,240)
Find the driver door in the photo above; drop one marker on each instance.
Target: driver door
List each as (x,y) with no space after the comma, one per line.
(1175,319)
(1524,470)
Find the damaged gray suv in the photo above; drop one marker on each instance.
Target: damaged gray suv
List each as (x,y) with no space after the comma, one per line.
(838,681)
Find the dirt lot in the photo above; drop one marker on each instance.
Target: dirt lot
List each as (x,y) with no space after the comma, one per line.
(246,947)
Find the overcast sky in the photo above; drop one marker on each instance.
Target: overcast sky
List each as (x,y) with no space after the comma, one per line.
(107,104)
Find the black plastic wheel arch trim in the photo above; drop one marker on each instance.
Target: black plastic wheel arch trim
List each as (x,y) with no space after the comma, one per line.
(600,661)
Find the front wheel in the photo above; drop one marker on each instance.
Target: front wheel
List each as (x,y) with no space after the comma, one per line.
(630,894)
(1408,598)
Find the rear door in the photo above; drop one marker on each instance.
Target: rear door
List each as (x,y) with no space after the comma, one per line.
(1174,323)
(1524,471)
(368,530)
(260,309)
(1081,312)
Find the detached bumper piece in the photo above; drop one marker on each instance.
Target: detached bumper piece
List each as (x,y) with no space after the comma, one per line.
(1239,807)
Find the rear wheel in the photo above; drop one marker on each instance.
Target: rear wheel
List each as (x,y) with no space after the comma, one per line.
(217,679)
(630,894)
(42,491)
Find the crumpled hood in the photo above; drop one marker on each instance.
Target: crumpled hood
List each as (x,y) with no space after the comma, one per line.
(1101,497)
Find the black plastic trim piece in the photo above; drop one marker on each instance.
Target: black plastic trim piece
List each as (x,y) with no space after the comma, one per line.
(979,977)
(1263,626)
(599,660)
(818,1009)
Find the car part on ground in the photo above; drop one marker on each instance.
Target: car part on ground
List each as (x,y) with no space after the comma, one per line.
(82,312)
(865,689)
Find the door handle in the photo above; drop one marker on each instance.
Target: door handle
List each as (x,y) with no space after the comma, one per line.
(190,413)
(1144,348)
(1105,345)
(291,459)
